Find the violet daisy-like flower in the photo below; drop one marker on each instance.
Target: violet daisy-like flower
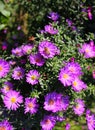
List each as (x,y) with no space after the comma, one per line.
(17,52)
(5,125)
(67,126)
(50,103)
(90,120)
(31,105)
(74,68)
(4,68)
(66,77)
(27,49)
(47,49)
(88,50)
(18,73)
(78,85)
(79,108)
(32,77)
(50,29)
(48,122)
(62,102)
(12,100)
(36,59)
(53,16)
(8,86)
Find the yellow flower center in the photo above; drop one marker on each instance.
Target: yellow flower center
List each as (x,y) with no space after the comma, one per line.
(65,76)
(51,102)
(13,100)
(46,50)
(3,128)
(1,68)
(30,105)
(75,83)
(86,50)
(7,88)
(33,77)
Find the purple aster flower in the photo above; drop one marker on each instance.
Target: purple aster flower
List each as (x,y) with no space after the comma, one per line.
(36,59)
(69,22)
(18,27)
(53,16)
(50,29)
(78,85)
(93,74)
(32,77)
(60,118)
(5,125)
(4,68)
(47,49)
(18,73)
(56,102)
(74,68)
(12,100)
(31,105)
(11,62)
(27,49)
(89,13)
(4,45)
(48,122)
(88,50)
(50,103)
(8,86)
(66,77)
(67,126)
(62,102)
(90,120)
(79,108)
(17,52)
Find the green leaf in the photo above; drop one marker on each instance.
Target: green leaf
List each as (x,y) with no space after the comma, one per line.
(5,13)
(1,6)
(2,26)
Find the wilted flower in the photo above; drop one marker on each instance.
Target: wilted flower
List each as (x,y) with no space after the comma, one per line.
(4,68)
(5,125)
(32,77)
(18,73)
(48,122)
(12,100)
(31,105)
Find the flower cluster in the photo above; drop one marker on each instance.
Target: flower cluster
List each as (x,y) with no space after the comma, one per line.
(70,76)
(56,102)
(36,84)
